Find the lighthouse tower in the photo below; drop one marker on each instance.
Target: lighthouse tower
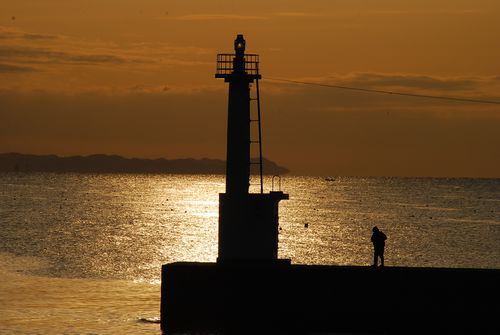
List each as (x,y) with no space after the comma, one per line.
(248,222)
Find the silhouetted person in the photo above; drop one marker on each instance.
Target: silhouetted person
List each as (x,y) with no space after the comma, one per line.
(378,240)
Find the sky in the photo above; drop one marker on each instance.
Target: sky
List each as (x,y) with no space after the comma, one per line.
(136,78)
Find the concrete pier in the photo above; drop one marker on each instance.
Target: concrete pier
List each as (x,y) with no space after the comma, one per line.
(277,297)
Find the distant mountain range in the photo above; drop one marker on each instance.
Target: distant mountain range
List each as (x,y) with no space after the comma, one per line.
(116,164)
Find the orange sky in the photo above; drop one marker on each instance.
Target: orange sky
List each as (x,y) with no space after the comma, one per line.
(136,78)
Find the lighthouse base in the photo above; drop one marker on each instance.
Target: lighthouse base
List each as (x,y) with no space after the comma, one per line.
(276,297)
(248,226)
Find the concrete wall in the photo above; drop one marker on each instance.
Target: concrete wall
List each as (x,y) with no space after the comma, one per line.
(281,298)
(248,226)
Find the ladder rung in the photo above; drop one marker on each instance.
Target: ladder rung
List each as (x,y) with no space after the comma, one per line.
(254,141)
(256,120)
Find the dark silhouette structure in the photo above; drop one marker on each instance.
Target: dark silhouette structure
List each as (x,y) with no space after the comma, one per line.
(248,223)
(378,240)
(262,298)
(250,291)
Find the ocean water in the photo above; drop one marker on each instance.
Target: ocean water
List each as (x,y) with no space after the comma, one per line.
(82,253)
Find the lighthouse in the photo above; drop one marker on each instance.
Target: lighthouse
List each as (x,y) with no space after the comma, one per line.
(248,222)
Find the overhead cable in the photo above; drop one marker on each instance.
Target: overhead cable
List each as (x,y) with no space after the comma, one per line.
(386,92)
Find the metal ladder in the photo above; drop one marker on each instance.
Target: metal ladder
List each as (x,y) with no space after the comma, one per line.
(259,141)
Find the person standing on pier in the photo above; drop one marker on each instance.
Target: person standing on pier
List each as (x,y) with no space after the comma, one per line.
(378,240)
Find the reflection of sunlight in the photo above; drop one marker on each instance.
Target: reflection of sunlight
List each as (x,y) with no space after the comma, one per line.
(207,215)
(127,226)
(338,219)
(169,218)
(190,221)
(207,209)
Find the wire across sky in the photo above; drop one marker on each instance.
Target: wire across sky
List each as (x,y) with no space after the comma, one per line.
(386,92)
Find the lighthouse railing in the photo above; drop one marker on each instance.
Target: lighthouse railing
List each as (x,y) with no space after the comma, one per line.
(225,64)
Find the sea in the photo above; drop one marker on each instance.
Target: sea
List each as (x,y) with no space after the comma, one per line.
(82,253)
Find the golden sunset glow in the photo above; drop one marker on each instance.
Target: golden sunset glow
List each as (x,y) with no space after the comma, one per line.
(136,78)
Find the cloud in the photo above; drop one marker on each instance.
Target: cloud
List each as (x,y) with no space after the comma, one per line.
(94,59)
(379,80)
(45,55)
(442,11)
(312,15)
(8,68)
(324,99)
(96,66)
(298,14)
(14,33)
(218,17)
(29,36)
(406,83)
(22,49)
